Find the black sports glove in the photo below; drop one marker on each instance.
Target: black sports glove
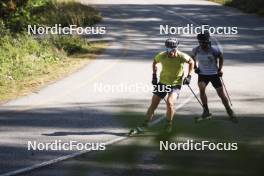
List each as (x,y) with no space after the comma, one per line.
(220,73)
(197,70)
(154,79)
(187,80)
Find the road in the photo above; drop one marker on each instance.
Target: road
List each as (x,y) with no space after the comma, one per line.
(71,109)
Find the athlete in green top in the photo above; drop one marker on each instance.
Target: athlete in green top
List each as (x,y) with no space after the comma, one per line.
(172,67)
(171,79)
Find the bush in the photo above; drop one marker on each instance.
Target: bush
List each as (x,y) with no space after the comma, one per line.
(253,6)
(18,14)
(70,44)
(3,30)
(70,13)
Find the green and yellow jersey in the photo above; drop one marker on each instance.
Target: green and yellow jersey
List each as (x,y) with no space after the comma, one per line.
(172,67)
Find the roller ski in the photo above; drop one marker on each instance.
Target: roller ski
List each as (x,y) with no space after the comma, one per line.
(136,131)
(139,130)
(205,116)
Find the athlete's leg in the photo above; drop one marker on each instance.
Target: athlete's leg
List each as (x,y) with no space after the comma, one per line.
(223,97)
(225,102)
(170,109)
(153,106)
(150,112)
(170,106)
(202,86)
(216,82)
(220,91)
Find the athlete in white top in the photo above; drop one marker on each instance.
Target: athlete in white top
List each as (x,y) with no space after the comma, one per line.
(208,66)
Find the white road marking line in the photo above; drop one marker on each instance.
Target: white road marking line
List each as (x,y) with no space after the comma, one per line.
(56,160)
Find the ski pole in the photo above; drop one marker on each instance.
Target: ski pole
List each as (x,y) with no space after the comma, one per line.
(196,96)
(165,100)
(226,91)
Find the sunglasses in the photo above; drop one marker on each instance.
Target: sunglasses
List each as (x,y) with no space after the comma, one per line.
(170,49)
(204,42)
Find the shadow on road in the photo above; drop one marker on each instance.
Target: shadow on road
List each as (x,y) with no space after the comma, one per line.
(142,155)
(140,28)
(88,119)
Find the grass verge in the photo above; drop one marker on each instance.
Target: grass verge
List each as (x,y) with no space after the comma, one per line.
(28,62)
(45,72)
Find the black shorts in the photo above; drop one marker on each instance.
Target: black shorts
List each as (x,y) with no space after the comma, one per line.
(161,90)
(214,79)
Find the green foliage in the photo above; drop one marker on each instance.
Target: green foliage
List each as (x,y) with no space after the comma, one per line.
(253,6)
(3,30)
(23,56)
(17,15)
(70,13)
(70,44)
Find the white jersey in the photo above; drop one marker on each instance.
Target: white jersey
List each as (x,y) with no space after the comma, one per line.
(207,61)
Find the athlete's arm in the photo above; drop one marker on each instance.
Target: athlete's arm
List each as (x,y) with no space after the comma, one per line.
(191,65)
(187,59)
(195,62)
(154,73)
(187,79)
(154,66)
(221,62)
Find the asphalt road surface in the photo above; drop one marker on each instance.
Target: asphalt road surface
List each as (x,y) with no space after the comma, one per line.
(72,108)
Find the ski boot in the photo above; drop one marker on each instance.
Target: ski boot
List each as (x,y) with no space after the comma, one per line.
(205,116)
(231,114)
